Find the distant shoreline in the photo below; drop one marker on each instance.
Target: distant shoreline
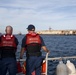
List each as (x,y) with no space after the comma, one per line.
(58,32)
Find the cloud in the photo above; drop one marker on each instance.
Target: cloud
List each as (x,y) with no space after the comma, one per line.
(54,13)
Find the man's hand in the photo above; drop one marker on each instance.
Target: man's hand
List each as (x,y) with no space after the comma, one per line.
(48,52)
(20,57)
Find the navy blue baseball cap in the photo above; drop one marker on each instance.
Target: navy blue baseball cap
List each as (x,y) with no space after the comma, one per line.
(31,27)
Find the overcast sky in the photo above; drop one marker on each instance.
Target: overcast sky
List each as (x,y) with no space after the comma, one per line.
(57,14)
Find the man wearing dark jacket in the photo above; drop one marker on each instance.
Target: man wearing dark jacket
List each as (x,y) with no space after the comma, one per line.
(33,43)
(8,46)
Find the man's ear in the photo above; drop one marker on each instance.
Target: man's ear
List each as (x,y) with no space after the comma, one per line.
(5,30)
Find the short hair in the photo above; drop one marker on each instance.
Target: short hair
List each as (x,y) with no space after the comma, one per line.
(9,26)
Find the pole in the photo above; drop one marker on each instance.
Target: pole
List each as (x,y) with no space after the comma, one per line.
(47,64)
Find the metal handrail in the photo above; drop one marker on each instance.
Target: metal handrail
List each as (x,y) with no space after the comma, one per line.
(46,64)
(55,58)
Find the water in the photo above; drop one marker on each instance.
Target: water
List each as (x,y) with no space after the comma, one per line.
(59,45)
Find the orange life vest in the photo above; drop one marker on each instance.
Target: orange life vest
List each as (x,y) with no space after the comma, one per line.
(33,43)
(8,41)
(33,38)
(44,67)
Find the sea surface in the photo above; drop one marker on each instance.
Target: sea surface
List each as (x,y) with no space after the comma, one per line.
(59,46)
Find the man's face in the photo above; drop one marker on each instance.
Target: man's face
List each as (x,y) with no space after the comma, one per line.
(9,30)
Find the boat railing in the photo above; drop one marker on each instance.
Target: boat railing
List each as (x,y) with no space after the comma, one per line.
(51,59)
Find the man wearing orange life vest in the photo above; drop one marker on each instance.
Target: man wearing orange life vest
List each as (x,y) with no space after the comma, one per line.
(33,43)
(8,46)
